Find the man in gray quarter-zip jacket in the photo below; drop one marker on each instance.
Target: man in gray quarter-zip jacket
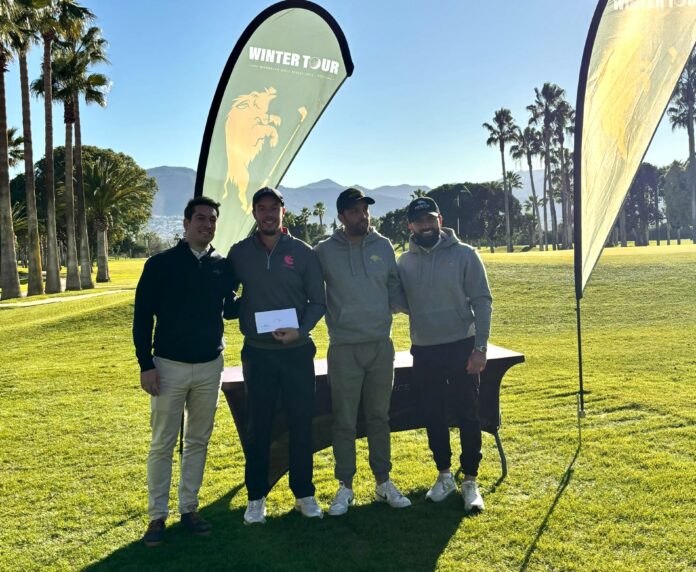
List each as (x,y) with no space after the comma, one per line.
(362,287)
(277,272)
(450,315)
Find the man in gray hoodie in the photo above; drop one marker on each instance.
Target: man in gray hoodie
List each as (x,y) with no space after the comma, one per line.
(450,315)
(362,288)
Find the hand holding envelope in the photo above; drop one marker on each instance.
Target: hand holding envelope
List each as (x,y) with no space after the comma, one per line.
(282,324)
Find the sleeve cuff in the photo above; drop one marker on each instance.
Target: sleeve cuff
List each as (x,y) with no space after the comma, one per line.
(146,364)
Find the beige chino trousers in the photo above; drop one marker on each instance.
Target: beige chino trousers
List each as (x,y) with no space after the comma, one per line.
(192,388)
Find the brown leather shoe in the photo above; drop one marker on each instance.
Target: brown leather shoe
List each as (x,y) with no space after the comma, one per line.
(196,524)
(154,533)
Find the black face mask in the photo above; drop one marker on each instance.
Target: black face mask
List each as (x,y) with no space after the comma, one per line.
(426,241)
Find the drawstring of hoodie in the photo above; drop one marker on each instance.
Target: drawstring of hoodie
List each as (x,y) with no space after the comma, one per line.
(362,250)
(353,270)
(350,258)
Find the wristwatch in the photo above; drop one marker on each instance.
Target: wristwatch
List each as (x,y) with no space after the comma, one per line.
(481,349)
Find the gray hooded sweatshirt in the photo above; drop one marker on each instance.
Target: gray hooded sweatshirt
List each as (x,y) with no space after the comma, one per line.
(362,287)
(447,292)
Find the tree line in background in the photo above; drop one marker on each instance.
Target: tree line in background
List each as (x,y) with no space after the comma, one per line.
(70,205)
(551,120)
(64,207)
(660,205)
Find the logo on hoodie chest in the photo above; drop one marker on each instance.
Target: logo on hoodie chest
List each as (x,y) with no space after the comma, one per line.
(289,262)
(375,259)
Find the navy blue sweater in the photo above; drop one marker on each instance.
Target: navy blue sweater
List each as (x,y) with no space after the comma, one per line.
(186,295)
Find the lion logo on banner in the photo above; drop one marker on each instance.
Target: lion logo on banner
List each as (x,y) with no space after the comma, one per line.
(247,128)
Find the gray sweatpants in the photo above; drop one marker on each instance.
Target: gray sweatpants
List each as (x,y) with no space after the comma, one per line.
(365,370)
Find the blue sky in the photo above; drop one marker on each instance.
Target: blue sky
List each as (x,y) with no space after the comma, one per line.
(427,75)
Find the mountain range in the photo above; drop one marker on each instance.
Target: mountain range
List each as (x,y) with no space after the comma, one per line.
(176,187)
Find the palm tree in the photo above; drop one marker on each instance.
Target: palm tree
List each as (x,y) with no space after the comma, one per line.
(70,79)
(66,18)
(501,132)
(418,193)
(514,180)
(320,211)
(90,50)
(528,145)
(109,187)
(543,114)
(303,220)
(9,278)
(682,113)
(564,122)
(15,146)
(26,20)
(62,89)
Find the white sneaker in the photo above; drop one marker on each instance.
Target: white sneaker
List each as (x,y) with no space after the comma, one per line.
(255,512)
(444,486)
(388,493)
(472,497)
(308,507)
(343,499)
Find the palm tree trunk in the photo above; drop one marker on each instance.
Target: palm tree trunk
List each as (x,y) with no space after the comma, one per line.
(692,168)
(622,226)
(534,198)
(85,260)
(567,214)
(552,208)
(52,264)
(564,214)
(73,275)
(35,286)
(657,215)
(668,228)
(9,278)
(102,251)
(508,231)
(546,221)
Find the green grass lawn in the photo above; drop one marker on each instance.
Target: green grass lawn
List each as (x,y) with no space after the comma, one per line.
(74,436)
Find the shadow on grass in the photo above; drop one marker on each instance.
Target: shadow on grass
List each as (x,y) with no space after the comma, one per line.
(369,537)
(565,480)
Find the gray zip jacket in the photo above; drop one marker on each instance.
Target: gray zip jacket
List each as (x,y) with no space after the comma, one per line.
(287,277)
(362,287)
(447,292)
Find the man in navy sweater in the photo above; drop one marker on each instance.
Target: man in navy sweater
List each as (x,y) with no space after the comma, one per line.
(185,289)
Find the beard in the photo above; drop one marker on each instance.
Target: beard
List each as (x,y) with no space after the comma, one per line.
(269,231)
(358,229)
(426,241)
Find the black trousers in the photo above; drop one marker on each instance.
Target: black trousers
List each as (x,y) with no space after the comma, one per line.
(268,375)
(445,387)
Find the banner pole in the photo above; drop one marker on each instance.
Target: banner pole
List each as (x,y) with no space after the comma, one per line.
(581,393)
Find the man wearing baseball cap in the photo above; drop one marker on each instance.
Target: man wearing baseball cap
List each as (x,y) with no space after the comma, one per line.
(277,272)
(362,287)
(450,314)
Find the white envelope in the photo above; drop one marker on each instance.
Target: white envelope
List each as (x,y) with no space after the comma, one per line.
(271,321)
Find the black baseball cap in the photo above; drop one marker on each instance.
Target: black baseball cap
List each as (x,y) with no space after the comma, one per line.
(422,205)
(267,192)
(348,199)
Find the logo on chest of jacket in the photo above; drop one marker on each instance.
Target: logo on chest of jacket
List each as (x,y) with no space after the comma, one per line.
(289,261)
(374,259)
